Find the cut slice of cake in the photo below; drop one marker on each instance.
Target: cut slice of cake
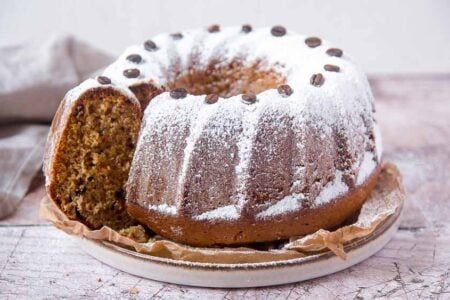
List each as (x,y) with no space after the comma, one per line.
(88,155)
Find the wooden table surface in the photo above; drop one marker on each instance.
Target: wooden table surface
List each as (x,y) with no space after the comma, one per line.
(39,261)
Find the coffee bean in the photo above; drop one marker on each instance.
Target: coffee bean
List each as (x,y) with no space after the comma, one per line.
(178,93)
(103,80)
(285,90)
(131,73)
(246,28)
(176,36)
(313,42)
(211,98)
(334,52)
(150,46)
(136,58)
(317,79)
(278,31)
(249,98)
(213,28)
(331,68)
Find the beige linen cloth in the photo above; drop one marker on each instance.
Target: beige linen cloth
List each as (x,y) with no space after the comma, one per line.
(33,80)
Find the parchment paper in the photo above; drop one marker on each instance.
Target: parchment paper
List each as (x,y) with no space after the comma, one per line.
(385,200)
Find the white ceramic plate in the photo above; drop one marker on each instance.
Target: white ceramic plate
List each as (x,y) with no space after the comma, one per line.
(241,275)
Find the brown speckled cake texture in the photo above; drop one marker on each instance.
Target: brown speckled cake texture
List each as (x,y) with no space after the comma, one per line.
(88,156)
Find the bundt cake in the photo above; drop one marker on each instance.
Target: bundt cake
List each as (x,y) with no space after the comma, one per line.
(248,135)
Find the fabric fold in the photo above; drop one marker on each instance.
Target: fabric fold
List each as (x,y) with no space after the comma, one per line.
(33,80)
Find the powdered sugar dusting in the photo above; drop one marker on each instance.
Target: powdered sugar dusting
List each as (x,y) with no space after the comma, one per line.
(332,190)
(366,168)
(164,119)
(229,212)
(197,126)
(250,122)
(342,105)
(287,204)
(75,93)
(378,141)
(164,209)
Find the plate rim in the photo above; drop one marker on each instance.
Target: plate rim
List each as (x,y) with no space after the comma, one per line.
(392,220)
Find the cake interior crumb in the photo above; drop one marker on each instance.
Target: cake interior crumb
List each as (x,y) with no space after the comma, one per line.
(92,167)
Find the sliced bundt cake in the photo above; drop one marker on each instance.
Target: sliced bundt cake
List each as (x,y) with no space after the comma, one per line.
(250,135)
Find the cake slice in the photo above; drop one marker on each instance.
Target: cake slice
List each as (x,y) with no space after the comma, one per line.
(88,155)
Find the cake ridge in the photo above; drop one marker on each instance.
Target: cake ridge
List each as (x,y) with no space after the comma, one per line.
(250,121)
(197,125)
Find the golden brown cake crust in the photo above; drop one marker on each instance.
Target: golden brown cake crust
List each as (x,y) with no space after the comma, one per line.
(246,230)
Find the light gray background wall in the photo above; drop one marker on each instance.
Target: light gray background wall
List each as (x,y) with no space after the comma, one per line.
(385,36)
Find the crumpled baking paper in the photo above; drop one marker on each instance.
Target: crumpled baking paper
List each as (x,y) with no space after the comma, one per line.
(385,201)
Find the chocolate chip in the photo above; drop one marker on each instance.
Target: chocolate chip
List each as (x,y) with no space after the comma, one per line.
(176,36)
(278,31)
(331,68)
(213,28)
(136,58)
(131,73)
(246,28)
(130,143)
(178,93)
(80,191)
(211,98)
(334,52)
(313,42)
(119,194)
(285,90)
(103,80)
(78,110)
(317,79)
(150,46)
(249,98)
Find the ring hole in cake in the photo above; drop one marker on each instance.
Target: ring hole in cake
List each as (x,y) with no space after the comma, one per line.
(227,80)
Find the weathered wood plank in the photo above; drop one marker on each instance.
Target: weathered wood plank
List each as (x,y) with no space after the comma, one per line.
(42,261)
(27,213)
